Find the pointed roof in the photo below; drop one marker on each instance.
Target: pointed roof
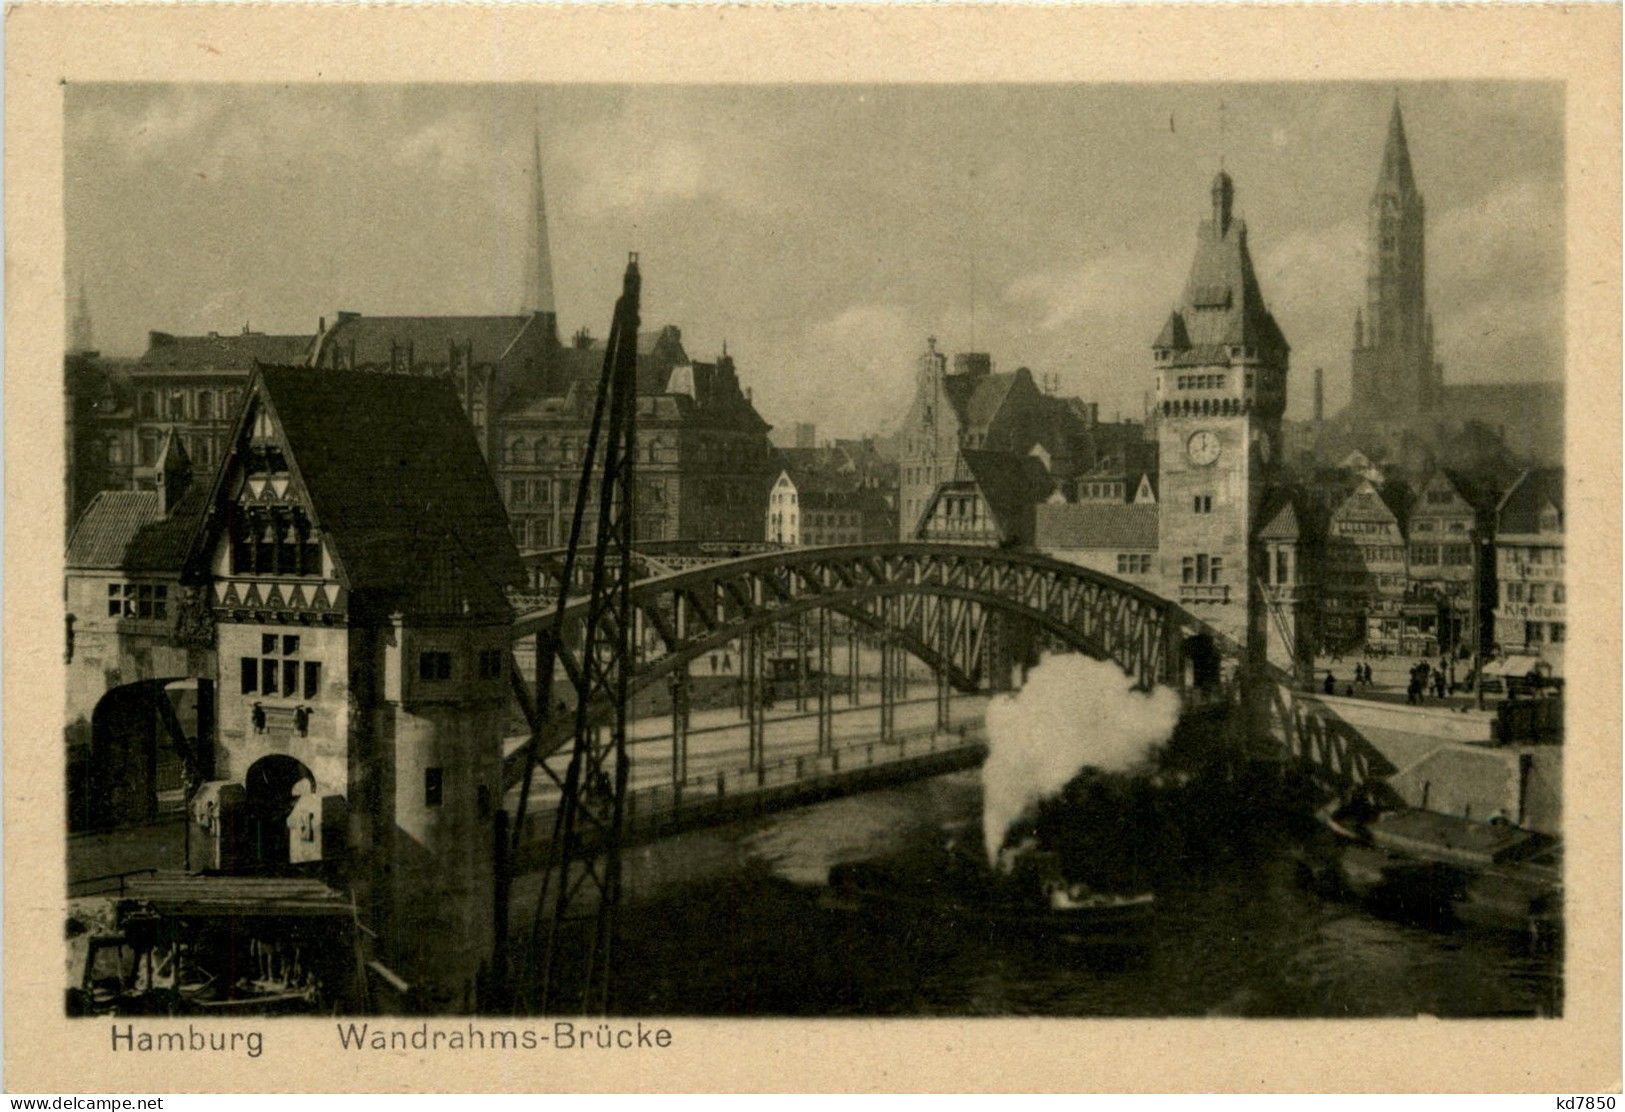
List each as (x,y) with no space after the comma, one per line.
(1396,172)
(538,294)
(1174,335)
(1012,486)
(1223,305)
(397,484)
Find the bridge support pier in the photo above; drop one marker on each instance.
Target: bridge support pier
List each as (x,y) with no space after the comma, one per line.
(888,673)
(826,720)
(755,696)
(679,724)
(851,662)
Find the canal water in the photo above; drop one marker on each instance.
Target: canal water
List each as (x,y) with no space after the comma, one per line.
(728,922)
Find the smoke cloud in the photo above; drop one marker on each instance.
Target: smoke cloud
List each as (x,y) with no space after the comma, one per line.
(1073,712)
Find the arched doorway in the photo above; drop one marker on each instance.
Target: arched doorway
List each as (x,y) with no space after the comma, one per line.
(271,786)
(1201,661)
(149,743)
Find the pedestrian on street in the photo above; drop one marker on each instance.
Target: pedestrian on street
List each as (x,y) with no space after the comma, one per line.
(1329,685)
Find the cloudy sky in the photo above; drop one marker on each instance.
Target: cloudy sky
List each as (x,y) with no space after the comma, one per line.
(823,232)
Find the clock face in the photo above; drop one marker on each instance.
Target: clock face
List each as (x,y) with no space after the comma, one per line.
(1203,447)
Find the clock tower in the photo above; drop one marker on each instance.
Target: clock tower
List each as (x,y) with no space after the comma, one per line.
(1221,364)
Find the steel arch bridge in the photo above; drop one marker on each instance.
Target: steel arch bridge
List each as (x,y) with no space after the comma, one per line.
(962,610)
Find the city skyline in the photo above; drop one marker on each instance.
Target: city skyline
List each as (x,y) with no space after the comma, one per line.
(824,284)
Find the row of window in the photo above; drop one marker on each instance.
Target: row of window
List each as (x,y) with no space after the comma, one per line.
(1423,525)
(1511,557)
(436,664)
(1450,555)
(1134,563)
(181,405)
(1201,568)
(1201,503)
(137,600)
(1535,593)
(280,545)
(1535,633)
(1205,381)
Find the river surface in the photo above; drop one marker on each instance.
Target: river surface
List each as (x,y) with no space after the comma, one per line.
(728,922)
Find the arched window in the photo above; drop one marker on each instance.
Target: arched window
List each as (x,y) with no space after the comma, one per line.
(540,452)
(205,405)
(516,450)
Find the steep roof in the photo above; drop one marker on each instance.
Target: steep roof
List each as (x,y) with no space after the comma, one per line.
(1396,171)
(124,530)
(1111,525)
(397,481)
(977,399)
(1222,304)
(1520,508)
(216,352)
(1011,485)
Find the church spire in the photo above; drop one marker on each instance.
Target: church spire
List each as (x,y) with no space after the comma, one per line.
(1396,158)
(538,293)
(81,338)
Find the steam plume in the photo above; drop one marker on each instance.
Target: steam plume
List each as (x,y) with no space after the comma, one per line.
(1073,712)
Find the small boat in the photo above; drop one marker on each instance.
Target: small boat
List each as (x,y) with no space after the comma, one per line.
(1451,869)
(961,895)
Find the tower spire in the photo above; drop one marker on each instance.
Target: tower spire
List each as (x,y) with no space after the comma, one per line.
(81,337)
(1396,156)
(538,292)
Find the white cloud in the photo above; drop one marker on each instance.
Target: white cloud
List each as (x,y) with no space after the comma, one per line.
(453,145)
(852,373)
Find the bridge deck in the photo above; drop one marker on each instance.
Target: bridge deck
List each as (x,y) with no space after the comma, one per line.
(720,784)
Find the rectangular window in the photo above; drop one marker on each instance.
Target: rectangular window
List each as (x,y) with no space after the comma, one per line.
(1187,569)
(1215,570)
(1558,593)
(160,602)
(1514,592)
(1280,565)
(1202,504)
(490,664)
(268,677)
(290,645)
(251,675)
(434,666)
(313,678)
(1201,569)
(115,601)
(1531,633)
(267,644)
(1558,633)
(290,677)
(433,787)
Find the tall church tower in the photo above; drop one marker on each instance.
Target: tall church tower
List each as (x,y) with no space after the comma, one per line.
(1221,365)
(1393,368)
(538,292)
(81,337)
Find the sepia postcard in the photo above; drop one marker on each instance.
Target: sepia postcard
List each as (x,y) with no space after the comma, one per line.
(871,549)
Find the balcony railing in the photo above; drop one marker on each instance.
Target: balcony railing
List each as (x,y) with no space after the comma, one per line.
(1204,592)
